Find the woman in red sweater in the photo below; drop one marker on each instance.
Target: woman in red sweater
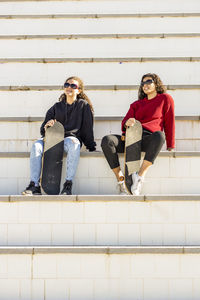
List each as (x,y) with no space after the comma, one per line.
(155,111)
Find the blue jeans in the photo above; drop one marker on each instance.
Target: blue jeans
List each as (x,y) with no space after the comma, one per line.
(71,147)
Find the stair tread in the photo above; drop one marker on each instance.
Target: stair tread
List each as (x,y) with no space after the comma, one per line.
(100,249)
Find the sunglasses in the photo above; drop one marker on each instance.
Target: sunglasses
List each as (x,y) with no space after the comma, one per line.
(149,81)
(71,85)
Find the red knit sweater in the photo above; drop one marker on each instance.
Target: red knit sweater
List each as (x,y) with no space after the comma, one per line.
(156,114)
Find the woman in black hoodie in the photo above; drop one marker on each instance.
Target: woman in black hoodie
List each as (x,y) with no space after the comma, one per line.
(75,111)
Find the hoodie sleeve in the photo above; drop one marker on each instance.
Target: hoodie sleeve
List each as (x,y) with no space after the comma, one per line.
(87,134)
(49,116)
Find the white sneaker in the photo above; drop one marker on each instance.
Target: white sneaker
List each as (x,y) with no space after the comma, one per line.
(137,184)
(121,188)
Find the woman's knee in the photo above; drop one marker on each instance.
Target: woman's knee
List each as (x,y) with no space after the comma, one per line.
(160,137)
(71,144)
(37,148)
(106,141)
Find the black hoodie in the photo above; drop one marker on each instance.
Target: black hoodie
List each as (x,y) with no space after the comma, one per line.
(77,120)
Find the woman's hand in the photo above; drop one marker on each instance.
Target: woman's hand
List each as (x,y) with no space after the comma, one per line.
(50,123)
(170,149)
(130,122)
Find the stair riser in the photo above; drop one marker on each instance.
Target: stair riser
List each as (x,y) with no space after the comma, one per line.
(113,47)
(99,26)
(25,145)
(96,7)
(108,73)
(168,176)
(36,103)
(100,223)
(96,277)
(19,136)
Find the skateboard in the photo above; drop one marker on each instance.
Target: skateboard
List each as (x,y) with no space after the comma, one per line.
(52,159)
(132,153)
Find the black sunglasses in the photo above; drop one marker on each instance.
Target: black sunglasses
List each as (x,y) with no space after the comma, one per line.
(71,85)
(149,81)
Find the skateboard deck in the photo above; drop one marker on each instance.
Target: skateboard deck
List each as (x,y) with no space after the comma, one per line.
(132,153)
(52,159)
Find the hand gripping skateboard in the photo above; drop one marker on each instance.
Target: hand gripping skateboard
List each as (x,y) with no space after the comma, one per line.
(52,159)
(132,153)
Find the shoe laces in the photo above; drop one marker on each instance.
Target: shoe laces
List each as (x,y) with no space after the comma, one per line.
(121,186)
(67,185)
(31,184)
(138,182)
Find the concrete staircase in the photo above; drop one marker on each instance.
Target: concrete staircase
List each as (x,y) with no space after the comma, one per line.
(95,244)
(100,247)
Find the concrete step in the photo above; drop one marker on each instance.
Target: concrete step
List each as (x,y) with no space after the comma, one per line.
(173,172)
(98,59)
(100,36)
(98,7)
(35,103)
(18,134)
(82,26)
(97,15)
(96,273)
(101,87)
(99,272)
(98,48)
(109,73)
(100,220)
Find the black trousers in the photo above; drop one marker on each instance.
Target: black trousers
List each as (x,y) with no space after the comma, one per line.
(151,144)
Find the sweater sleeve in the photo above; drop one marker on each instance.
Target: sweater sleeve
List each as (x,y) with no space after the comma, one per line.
(49,116)
(87,134)
(169,122)
(130,114)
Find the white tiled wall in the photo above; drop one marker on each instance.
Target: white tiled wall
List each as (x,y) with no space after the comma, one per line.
(101,6)
(19,136)
(98,26)
(167,176)
(98,48)
(87,276)
(109,73)
(36,103)
(100,223)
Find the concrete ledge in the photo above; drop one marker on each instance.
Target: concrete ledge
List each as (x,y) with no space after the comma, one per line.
(174,197)
(21,119)
(100,154)
(115,250)
(83,15)
(109,198)
(97,59)
(14,154)
(191,250)
(16,250)
(183,153)
(101,250)
(45,198)
(98,36)
(4,198)
(187,118)
(94,87)
(101,198)
(96,118)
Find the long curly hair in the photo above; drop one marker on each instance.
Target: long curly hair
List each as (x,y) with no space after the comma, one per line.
(160,88)
(81,95)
